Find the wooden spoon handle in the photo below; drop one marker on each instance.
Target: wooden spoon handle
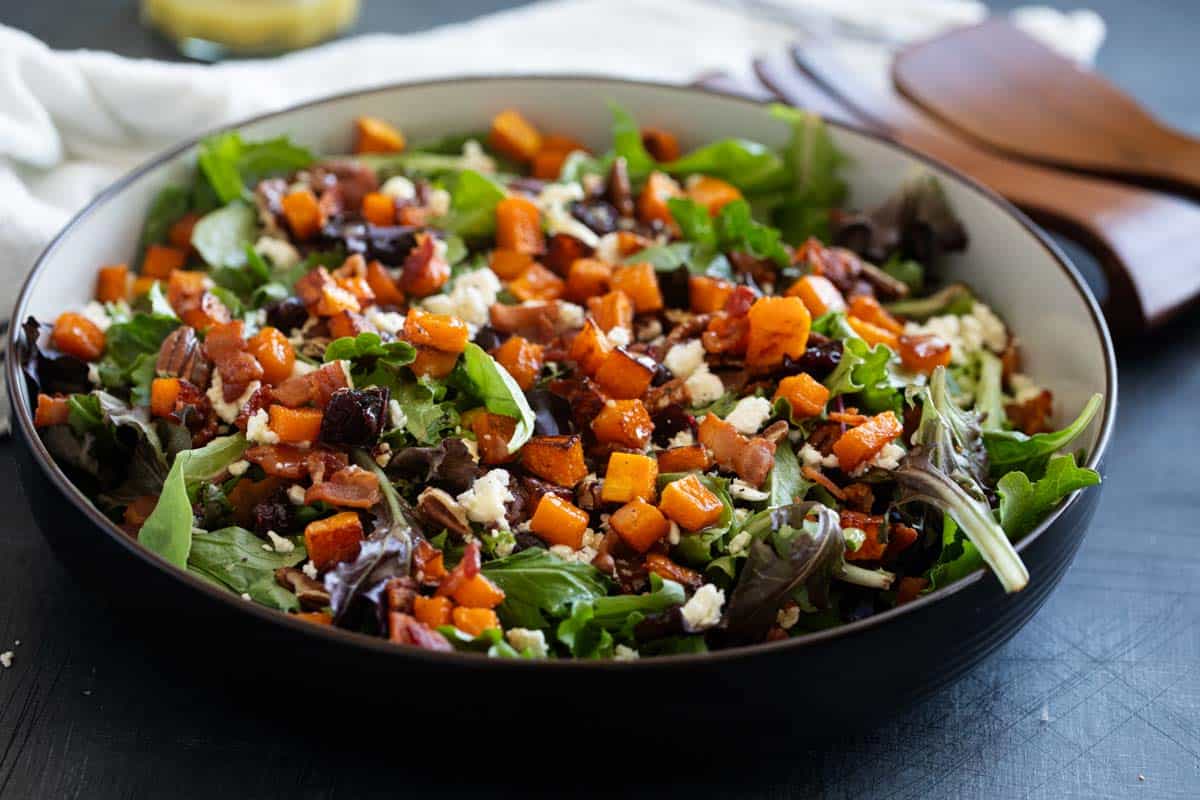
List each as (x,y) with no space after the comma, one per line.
(1140,237)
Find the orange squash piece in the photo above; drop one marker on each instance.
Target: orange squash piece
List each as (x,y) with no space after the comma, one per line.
(640,282)
(665,568)
(163,394)
(509,264)
(160,261)
(587,278)
(76,335)
(347,323)
(652,201)
(778,326)
(558,459)
(333,539)
(303,213)
(805,393)
(611,310)
(386,290)
(556,521)
(624,376)
(295,425)
(537,283)
(548,164)
(690,503)
(639,524)
(379,208)
(474,621)
(629,475)
(660,144)
(316,617)
(179,235)
(112,283)
(624,423)
(872,548)
(373,135)
(862,443)
(872,334)
(924,352)
(184,288)
(909,589)
(523,360)
(689,458)
(274,352)
(493,432)
(868,309)
(562,251)
(519,226)
(334,300)
(432,611)
(141,285)
(514,136)
(478,592)
(712,193)
(589,348)
(819,295)
(707,295)
(439,331)
(51,411)
(433,363)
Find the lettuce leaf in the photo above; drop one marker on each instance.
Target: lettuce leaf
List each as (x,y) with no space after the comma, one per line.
(817,187)
(627,143)
(479,375)
(473,201)
(749,166)
(1023,504)
(1013,450)
(234,557)
(539,587)
(373,362)
(221,237)
(230,164)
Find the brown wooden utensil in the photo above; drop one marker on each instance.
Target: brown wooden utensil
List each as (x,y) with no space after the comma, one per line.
(1143,240)
(1004,88)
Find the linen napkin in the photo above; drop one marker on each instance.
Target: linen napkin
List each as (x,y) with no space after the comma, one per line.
(72,122)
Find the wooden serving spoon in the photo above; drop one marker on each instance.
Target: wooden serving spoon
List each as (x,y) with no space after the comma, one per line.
(1004,88)
(1142,239)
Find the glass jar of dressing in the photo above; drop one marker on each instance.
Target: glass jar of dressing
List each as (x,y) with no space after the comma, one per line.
(213,29)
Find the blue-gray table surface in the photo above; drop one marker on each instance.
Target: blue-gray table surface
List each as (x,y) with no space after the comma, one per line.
(1098,697)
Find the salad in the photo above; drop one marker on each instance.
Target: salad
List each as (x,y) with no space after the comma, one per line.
(497,393)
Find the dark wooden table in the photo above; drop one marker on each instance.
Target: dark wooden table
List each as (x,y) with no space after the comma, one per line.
(1099,697)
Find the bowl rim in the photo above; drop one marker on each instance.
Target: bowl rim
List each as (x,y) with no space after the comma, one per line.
(22,415)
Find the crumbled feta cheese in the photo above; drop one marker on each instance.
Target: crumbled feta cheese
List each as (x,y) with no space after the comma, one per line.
(553,202)
(470,298)
(811,457)
(740,515)
(228,412)
(624,652)
(6,658)
(703,609)
(258,428)
(246,596)
(439,202)
(788,617)
(310,569)
(749,414)
(682,439)
(966,333)
(741,490)
(386,321)
(94,373)
(684,359)
(472,448)
(619,336)
(583,555)
(279,544)
(570,316)
(296,494)
(991,330)
(95,313)
(439,304)
(608,248)
(345,365)
(1024,389)
(703,387)
(649,330)
(473,157)
(301,368)
(888,459)
(523,639)
(674,534)
(399,187)
(238,468)
(740,544)
(279,252)
(383,456)
(592,539)
(484,501)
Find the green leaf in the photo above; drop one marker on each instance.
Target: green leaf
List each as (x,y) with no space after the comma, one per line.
(584,638)
(230,164)
(786,484)
(627,143)
(696,549)
(954,299)
(373,362)
(958,557)
(907,271)
(988,402)
(815,165)
(1013,450)
(427,419)
(732,230)
(749,166)
(1024,504)
(663,257)
(490,641)
(862,366)
(539,586)
(479,375)
(168,205)
(235,558)
(473,201)
(612,612)
(222,236)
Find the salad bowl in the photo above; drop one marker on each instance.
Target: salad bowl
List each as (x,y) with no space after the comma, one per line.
(841,677)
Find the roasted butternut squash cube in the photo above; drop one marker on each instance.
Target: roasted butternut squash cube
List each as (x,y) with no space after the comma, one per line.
(873,334)
(556,521)
(478,592)
(691,504)
(639,524)
(629,475)
(689,458)
(519,226)
(640,282)
(523,360)
(707,295)
(805,393)
(303,213)
(373,135)
(347,323)
(624,423)
(379,208)
(112,283)
(818,294)
(51,411)
(514,136)
(587,278)
(333,539)
(558,459)
(863,442)
(661,144)
(868,309)
(624,376)
(433,363)
(439,331)
(612,310)
(589,348)
(652,201)
(295,425)
(924,352)
(509,264)
(474,621)
(160,260)
(76,335)
(537,283)
(712,193)
(432,611)
(387,291)
(163,394)
(778,327)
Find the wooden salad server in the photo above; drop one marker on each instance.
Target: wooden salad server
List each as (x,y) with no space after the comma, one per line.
(1000,86)
(1141,238)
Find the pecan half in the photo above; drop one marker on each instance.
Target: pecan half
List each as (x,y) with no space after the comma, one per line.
(439,510)
(310,593)
(181,355)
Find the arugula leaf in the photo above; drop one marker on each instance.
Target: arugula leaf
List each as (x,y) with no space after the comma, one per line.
(473,201)
(907,271)
(627,143)
(168,529)
(234,558)
(538,585)
(221,237)
(1013,450)
(168,205)
(373,362)
(228,163)
(1024,504)
(749,166)
(479,375)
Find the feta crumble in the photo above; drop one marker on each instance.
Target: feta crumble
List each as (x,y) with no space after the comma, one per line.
(788,617)
(682,439)
(749,414)
(279,544)
(439,202)
(570,315)
(967,333)
(258,428)
(674,534)
(228,412)
(741,490)
(96,314)
(619,336)
(523,639)
(703,609)
(553,202)
(94,373)
(887,459)
(6,658)
(584,555)
(296,494)
(608,248)
(739,545)
(310,569)
(399,187)
(386,321)
(396,414)
(484,501)
(470,298)
(279,252)
(1024,389)
(472,448)
(685,359)
(703,387)
(238,468)
(473,157)
(811,457)
(624,652)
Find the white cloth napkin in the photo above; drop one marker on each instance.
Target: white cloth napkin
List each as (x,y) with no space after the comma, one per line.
(72,122)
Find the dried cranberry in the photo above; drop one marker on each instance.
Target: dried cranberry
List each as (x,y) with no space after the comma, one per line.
(670,421)
(529,186)
(355,417)
(274,514)
(287,314)
(389,244)
(526,541)
(489,338)
(820,358)
(599,215)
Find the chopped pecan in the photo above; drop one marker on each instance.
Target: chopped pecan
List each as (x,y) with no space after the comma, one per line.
(181,355)
(439,510)
(310,593)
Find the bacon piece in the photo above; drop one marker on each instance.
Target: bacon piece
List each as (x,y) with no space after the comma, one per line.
(322,461)
(316,387)
(405,629)
(281,460)
(466,569)
(816,476)
(537,322)
(225,345)
(311,288)
(261,399)
(751,459)
(349,487)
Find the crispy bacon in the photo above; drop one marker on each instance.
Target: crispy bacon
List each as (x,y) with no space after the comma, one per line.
(349,487)
(311,287)
(316,387)
(260,400)
(466,569)
(225,345)
(751,459)
(537,322)
(287,461)
(405,629)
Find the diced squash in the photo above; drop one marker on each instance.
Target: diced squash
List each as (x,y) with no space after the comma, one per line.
(924,352)
(274,353)
(316,617)
(629,243)
(431,363)
(691,504)
(872,334)
(76,335)
(474,621)
(562,251)
(334,300)
(909,588)
(509,264)
(333,539)
(523,360)
(184,288)
(295,425)
(387,291)
(640,282)
(900,538)
(519,226)
(612,310)
(652,201)
(373,135)
(303,213)
(868,309)
(430,562)
(141,285)
(873,547)
(205,313)
(625,423)
(629,475)
(862,443)
(179,235)
(778,327)
(432,611)
(707,295)
(558,459)
(665,568)
(639,524)
(160,261)
(712,193)
(51,411)
(589,348)
(689,458)
(163,394)
(379,208)
(818,294)
(139,510)
(537,283)
(660,144)
(547,164)
(624,376)
(112,283)
(587,278)
(493,432)
(425,270)
(439,331)
(478,592)
(805,393)
(514,136)
(558,141)
(556,521)
(347,323)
